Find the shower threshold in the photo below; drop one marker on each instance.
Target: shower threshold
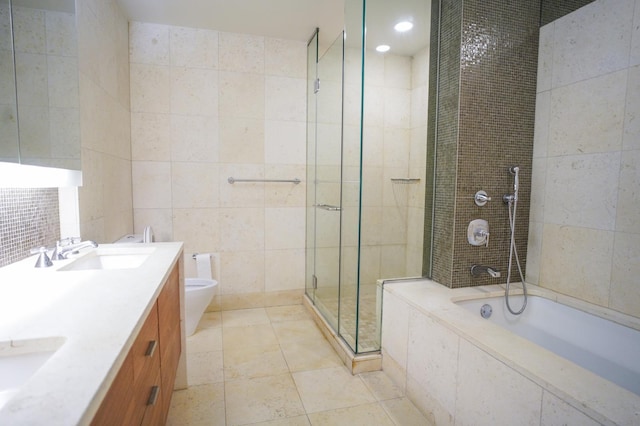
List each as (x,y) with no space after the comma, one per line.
(356,363)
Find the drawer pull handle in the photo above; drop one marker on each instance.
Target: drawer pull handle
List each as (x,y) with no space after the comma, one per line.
(151,348)
(153,396)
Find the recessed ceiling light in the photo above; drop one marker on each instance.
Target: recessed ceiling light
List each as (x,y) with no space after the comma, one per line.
(383,48)
(403,26)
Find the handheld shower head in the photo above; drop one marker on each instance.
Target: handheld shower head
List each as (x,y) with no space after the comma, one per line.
(512,198)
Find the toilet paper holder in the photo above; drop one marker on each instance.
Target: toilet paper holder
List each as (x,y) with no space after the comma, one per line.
(196,254)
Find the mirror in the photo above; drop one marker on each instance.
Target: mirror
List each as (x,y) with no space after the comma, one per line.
(45,52)
(9,151)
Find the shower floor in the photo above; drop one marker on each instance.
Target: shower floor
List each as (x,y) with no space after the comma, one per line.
(327,301)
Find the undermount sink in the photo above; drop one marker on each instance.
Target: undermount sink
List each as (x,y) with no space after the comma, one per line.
(110,259)
(19,361)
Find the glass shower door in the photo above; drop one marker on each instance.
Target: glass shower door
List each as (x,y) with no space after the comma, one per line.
(324,213)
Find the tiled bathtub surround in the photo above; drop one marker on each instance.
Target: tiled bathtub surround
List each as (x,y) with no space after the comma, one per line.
(28,218)
(480,374)
(207,105)
(585,229)
(485,123)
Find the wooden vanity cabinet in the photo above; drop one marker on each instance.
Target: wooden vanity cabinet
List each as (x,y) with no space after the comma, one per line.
(141,391)
(169,313)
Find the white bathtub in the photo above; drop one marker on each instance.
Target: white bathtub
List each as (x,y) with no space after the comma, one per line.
(459,368)
(604,347)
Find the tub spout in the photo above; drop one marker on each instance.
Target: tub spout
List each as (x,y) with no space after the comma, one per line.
(478,270)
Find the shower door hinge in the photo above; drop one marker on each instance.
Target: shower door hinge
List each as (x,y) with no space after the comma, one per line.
(314,282)
(316,85)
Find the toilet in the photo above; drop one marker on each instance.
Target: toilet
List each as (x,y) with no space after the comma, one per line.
(198,294)
(198,291)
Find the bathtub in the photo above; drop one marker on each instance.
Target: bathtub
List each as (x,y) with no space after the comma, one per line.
(554,365)
(604,347)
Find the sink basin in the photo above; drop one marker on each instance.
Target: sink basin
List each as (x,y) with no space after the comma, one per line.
(109,259)
(19,361)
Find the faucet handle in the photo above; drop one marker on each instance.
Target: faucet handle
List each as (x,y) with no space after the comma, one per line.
(483,234)
(43,260)
(57,255)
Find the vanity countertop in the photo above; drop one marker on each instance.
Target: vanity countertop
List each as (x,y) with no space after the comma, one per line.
(94,315)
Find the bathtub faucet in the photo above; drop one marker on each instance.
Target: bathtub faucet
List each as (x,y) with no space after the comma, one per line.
(478,270)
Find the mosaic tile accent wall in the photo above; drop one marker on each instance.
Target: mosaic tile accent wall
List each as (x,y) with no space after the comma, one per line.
(447,138)
(485,123)
(28,218)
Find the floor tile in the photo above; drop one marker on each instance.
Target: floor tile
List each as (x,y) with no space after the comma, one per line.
(292,331)
(331,388)
(210,320)
(288,313)
(258,400)
(205,340)
(252,362)
(310,355)
(361,415)
(198,406)
(273,367)
(244,317)
(289,421)
(204,367)
(404,413)
(261,335)
(381,385)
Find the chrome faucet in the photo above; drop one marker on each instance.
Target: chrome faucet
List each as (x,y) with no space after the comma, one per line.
(478,270)
(63,250)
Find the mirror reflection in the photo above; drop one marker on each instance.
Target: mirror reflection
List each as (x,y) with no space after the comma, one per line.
(8,107)
(46,74)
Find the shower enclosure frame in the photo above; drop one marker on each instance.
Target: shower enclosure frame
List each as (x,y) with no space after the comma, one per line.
(371,240)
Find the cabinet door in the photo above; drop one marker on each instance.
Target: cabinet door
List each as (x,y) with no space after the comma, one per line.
(169,322)
(117,406)
(146,364)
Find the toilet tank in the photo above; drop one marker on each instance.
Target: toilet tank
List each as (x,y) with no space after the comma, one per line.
(129,238)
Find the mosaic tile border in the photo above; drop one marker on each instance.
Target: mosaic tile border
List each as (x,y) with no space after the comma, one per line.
(28,218)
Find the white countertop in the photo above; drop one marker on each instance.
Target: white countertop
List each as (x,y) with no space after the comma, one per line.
(95,314)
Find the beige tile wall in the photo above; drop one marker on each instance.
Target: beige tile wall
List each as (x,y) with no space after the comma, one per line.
(394,137)
(417,163)
(585,228)
(105,202)
(207,105)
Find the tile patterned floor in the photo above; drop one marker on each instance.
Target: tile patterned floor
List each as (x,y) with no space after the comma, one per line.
(273,366)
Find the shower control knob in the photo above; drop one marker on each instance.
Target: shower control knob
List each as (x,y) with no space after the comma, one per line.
(478,233)
(481,198)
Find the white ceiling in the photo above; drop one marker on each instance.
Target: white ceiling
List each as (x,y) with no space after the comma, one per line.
(288,19)
(291,19)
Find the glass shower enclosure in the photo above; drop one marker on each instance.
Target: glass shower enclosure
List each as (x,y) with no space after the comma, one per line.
(366,156)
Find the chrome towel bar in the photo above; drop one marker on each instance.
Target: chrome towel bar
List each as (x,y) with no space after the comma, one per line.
(328,207)
(405,180)
(295,181)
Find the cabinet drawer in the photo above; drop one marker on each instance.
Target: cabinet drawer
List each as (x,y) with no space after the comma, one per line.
(154,396)
(146,348)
